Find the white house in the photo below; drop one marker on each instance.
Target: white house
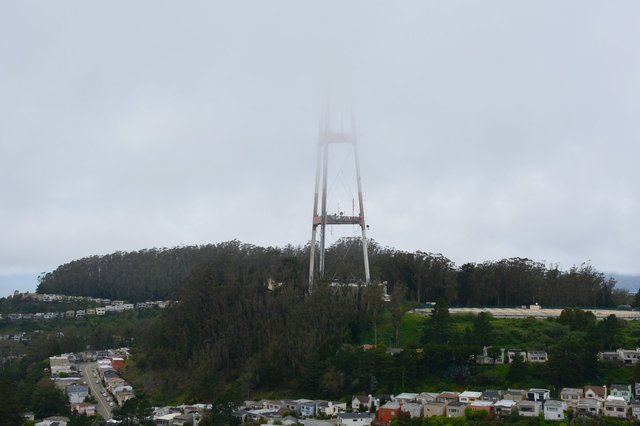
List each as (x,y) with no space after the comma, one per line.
(571,396)
(405,397)
(414,409)
(628,356)
(504,407)
(511,353)
(364,402)
(537,356)
(60,364)
(529,408)
(589,407)
(467,397)
(615,406)
(554,410)
(354,419)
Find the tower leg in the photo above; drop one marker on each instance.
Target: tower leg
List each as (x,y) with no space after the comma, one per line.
(363,225)
(314,225)
(323,224)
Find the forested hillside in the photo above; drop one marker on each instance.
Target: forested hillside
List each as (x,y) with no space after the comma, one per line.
(159,273)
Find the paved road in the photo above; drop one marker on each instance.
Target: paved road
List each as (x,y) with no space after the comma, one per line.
(96,388)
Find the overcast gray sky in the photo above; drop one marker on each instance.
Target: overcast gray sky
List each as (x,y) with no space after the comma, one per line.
(487,129)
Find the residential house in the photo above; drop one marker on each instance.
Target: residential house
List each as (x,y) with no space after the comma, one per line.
(308,408)
(537,356)
(404,397)
(515,394)
(504,407)
(54,421)
(623,391)
(294,406)
(554,410)
(468,397)
(609,356)
(331,408)
(257,414)
(479,405)
(354,419)
(70,314)
(80,313)
(628,356)
(166,419)
(101,311)
(436,408)
(538,394)
(596,392)
(511,353)
(273,405)
(571,396)
(187,419)
(448,397)
(291,406)
(86,408)
(492,395)
(388,412)
(364,402)
(455,409)
(91,311)
(589,407)
(635,408)
(414,409)
(425,397)
(114,382)
(77,394)
(60,364)
(124,396)
(615,406)
(490,356)
(529,408)
(117,363)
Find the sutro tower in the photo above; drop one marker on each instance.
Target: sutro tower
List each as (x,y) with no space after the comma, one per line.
(327,137)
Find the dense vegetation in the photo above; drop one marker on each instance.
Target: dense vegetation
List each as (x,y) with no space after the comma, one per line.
(24,382)
(159,273)
(231,336)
